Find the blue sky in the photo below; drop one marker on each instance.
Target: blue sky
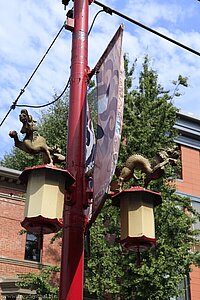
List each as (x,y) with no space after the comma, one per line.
(28,27)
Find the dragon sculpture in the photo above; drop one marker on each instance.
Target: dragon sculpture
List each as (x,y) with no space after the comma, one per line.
(34,144)
(151,171)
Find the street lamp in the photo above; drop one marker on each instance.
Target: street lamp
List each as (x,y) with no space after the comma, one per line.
(44,198)
(137,217)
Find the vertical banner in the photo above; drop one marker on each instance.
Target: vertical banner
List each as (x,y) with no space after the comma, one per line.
(90,142)
(110,101)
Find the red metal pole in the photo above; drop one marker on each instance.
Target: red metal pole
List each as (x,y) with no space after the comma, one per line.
(72,261)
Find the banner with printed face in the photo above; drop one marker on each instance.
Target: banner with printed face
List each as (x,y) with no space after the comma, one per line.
(90,143)
(110,101)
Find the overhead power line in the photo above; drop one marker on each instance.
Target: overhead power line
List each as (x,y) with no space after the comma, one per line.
(68,82)
(47,104)
(109,11)
(100,11)
(23,90)
(112,11)
(14,104)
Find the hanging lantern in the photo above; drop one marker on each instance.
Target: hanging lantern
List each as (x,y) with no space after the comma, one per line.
(137,217)
(46,186)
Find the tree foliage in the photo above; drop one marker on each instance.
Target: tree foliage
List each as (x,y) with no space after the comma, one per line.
(53,124)
(149,118)
(42,283)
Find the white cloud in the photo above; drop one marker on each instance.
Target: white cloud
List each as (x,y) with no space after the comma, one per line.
(28,27)
(151,12)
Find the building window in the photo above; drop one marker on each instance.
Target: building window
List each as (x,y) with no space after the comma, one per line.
(186,290)
(196,206)
(33,247)
(180,173)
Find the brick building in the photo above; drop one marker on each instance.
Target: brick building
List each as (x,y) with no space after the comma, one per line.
(189,183)
(23,253)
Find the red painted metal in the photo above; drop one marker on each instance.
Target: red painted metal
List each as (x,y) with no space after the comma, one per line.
(140,243)
(52,169)
(42,225)
(148,195)
(72,262)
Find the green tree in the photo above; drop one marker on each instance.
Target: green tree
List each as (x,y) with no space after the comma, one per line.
(149,118)
(53,124)
(43,283)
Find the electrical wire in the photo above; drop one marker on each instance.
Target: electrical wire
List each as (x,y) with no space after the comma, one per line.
(89,31)
(27,83)
(52,102)
(47,104)
(109,11)
(112,11)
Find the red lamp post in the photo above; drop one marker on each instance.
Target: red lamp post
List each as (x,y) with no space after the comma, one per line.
(72,261)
